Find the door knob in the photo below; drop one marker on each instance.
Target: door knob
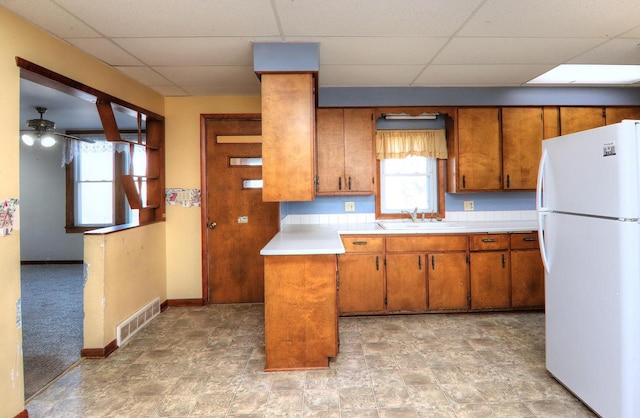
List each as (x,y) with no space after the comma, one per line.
(212,225)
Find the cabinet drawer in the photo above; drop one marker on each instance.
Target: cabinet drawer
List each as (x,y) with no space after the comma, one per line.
(487,242)
(362,244)
(428,243)
(524,241)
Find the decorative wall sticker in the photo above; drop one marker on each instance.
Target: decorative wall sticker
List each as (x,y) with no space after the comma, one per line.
(183,197)
(8,216)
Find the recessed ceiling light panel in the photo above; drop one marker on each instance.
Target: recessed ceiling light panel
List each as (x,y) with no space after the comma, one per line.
(590,74)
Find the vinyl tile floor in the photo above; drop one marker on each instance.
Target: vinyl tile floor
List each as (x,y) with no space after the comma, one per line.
(208,362)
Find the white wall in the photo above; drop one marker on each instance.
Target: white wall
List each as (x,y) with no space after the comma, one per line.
(42,207)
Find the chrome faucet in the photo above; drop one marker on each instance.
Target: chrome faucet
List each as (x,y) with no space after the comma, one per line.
(414,214)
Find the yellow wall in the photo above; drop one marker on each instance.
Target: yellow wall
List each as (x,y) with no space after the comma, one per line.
(18,38)
(184,249)
(126,270)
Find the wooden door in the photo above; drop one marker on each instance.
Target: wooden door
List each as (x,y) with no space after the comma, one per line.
(448,275)
(237,223)
(490,280)
(527,279)
(575,119)
(617,114)
(479,152)
(406,283)
(361,286)
(522,134)
(330,150)
(358,150)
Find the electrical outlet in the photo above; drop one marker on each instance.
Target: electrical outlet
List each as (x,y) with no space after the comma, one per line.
(468,205)
(349,206)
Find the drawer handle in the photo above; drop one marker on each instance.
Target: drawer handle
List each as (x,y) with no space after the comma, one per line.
(360,242)
(488,240)
(530,239)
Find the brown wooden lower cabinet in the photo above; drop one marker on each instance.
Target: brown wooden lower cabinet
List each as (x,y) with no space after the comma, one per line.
(389,274)
(448,281)
(301,319)
(527,272)
(406,283)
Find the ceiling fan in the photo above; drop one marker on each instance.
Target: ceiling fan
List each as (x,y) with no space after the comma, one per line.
(43,130)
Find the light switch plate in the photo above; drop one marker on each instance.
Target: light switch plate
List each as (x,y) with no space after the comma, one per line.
(349,206)
(468,205)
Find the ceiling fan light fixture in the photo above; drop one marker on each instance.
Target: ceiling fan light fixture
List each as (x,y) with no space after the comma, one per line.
(27,139)
(47,141)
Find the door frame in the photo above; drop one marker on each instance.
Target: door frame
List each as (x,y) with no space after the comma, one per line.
(206,296)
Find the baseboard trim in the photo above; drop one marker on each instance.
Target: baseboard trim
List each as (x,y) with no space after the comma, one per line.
(29,262)
(100,352)
(23,414)
(184,302)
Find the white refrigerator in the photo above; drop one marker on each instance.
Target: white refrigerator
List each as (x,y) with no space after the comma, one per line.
(588,202)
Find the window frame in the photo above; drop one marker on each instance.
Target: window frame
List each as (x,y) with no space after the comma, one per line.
(441,172)
(119,199)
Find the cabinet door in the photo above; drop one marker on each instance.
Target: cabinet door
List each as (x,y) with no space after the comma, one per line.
(479,155)
(448,279)
(527,279)
(490,280)
(406,283)
(617,114)
(522,134)
(358,150)
(361,286)
(330,150)
(288,132)
(575,119)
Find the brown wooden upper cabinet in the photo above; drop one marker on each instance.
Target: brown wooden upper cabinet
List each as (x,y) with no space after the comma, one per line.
(345,158)
(288,132)
(479,152)
(575,119)
(522,134)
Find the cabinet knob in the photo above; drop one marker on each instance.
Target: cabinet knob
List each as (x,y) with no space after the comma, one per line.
(212,225)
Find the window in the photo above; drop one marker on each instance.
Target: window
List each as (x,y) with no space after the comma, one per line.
(93,189)
(408,183)
(95,197)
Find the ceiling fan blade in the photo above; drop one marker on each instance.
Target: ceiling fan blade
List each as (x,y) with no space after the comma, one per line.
(77,138)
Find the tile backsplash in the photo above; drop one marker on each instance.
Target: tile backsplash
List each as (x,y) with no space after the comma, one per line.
(360,218)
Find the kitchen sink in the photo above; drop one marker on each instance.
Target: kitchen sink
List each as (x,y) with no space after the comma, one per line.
(427,224)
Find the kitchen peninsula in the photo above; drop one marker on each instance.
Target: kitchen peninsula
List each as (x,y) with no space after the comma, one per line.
(301,316)
(302,282)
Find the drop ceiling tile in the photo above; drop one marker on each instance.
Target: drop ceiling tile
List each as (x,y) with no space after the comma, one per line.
(167,18)
(367,75)
(512,50)
(373,17)
(615,51)
(375,50)
(210,75)
(144,75)
(105,50)
(479,75)
(190,51)
(50,17)
(553,18)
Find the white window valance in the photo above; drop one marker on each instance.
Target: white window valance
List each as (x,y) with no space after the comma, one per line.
(403,143)
(72,148)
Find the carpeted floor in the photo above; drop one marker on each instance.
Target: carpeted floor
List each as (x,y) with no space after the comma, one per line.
(52,315)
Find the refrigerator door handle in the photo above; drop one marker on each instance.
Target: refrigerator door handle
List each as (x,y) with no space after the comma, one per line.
(539,195)
(543,245)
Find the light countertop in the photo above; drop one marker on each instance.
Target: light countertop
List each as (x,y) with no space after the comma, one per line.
(309,239)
